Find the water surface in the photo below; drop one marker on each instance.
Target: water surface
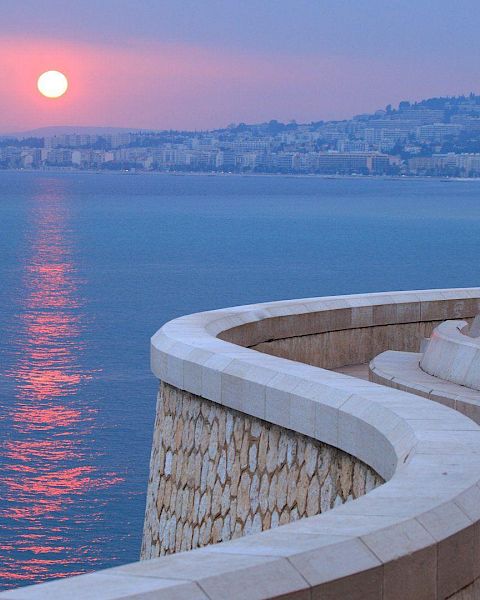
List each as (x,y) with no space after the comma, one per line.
(91,265)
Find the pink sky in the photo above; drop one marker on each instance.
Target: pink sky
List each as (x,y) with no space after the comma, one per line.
(172,85)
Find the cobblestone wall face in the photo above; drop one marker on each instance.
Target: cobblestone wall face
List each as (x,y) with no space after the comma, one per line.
(217,474)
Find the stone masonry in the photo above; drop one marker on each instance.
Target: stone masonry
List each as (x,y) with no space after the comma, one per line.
(217,474)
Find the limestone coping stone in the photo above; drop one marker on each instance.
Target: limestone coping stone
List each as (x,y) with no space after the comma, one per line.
(416,536)
(453,355)
(401,370)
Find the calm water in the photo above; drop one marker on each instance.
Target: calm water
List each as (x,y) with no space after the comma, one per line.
(92,265)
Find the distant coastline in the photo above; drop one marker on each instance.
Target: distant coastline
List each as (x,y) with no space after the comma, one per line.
(133,172)
(438,137)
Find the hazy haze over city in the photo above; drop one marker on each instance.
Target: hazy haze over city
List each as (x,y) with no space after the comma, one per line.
(198,65)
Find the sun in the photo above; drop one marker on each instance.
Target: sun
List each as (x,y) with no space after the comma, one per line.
(52,84)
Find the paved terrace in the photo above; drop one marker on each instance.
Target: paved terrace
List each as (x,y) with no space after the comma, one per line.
(415,537)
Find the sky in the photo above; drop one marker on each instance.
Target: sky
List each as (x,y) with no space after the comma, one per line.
(199,64)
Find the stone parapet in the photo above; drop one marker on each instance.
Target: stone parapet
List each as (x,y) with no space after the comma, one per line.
(417,536)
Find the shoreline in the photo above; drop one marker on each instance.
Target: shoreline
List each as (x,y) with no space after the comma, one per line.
(69,171)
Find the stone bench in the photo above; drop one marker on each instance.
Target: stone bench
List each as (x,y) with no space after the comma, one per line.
(401,370)
(453,355)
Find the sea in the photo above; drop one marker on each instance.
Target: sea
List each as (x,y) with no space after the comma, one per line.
(91,265)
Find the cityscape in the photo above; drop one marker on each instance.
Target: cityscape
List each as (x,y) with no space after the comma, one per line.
(433,137)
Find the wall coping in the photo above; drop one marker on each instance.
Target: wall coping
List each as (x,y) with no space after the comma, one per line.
(420,528)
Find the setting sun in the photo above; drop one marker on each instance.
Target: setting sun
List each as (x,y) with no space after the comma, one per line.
(52,84)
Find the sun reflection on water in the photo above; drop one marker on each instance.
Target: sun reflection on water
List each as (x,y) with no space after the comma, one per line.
(49,479)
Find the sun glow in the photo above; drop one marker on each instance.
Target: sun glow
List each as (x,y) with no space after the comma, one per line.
(52,84)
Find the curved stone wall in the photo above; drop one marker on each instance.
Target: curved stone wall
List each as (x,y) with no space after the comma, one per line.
(217,474)
(342,336)
(415,537)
